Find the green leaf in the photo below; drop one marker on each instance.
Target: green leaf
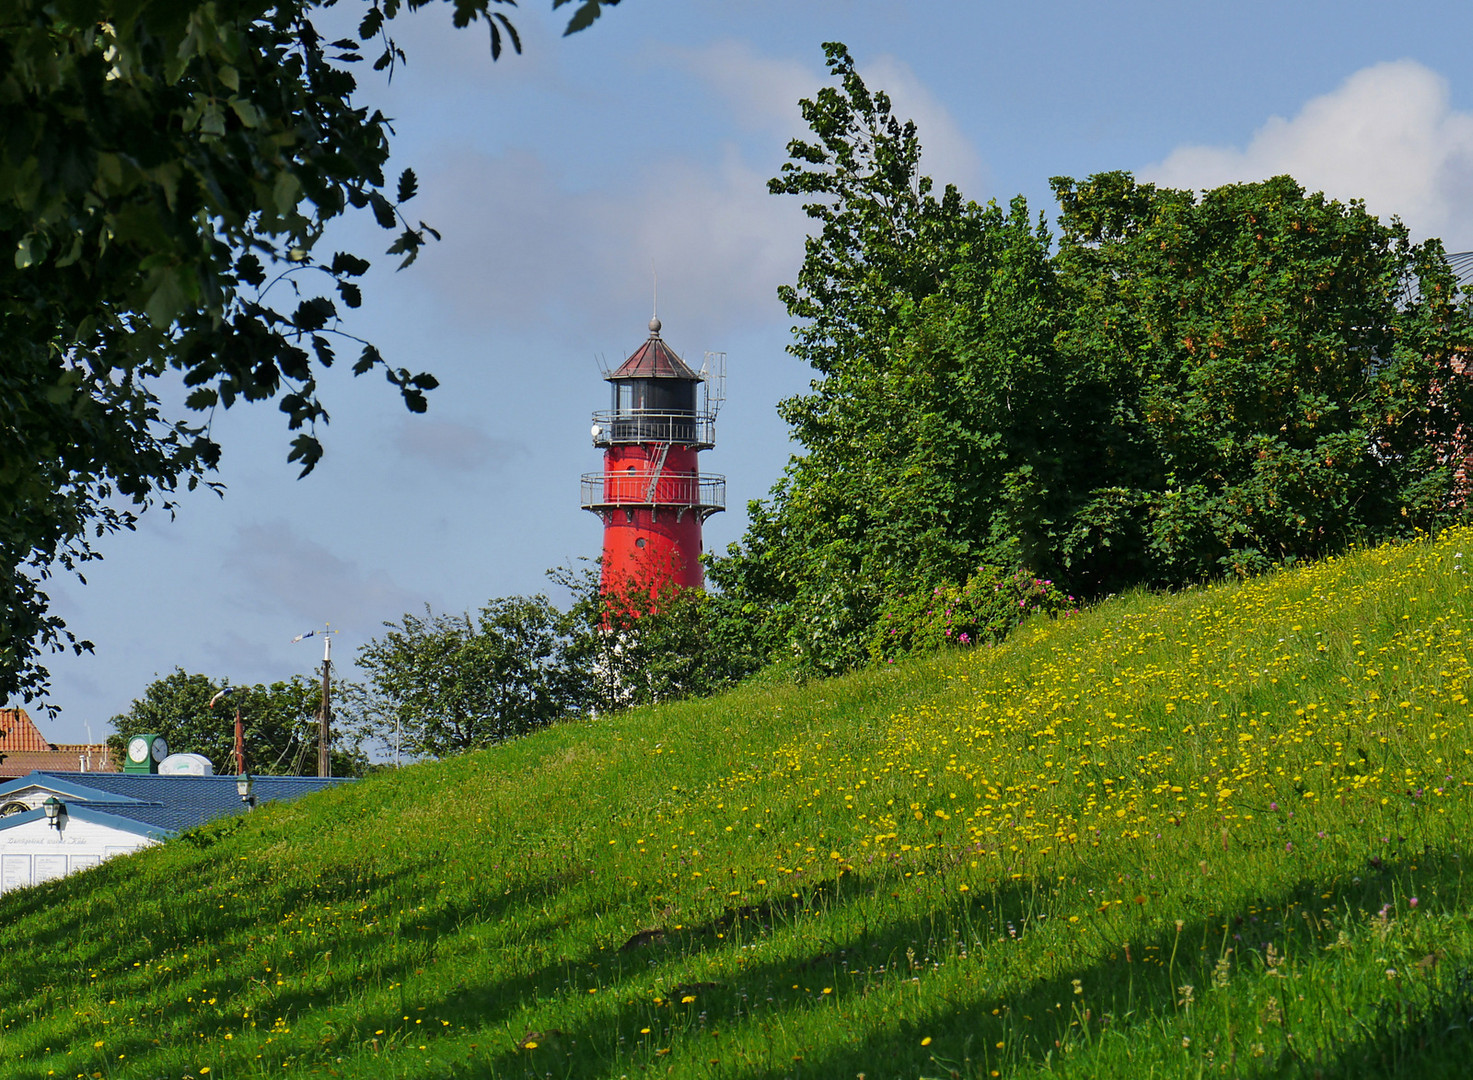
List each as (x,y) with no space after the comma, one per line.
(347,264)
(286,193)
(371,23)
(212,119)
(168,297)
(247,112)
(584,17)
(367,361)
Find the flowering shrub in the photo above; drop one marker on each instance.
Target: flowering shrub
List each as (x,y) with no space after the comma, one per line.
(985,609)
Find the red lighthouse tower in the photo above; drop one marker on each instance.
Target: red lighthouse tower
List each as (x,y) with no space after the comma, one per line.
(651,495)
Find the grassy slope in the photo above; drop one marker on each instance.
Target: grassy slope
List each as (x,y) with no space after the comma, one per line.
(1173,836)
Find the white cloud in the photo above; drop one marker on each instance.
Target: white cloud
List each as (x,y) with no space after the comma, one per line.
(1388,135)
(762,91)
(522,249)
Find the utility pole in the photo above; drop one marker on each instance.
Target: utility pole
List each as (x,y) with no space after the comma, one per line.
(324,709)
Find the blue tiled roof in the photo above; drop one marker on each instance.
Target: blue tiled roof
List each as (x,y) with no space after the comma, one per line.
(170,803)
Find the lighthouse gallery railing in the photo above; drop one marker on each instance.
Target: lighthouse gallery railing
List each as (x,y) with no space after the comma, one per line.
(639,426)
(646,487)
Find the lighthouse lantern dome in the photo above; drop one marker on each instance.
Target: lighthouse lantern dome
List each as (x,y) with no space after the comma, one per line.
(654,380)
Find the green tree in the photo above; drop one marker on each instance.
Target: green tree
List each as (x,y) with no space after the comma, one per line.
(1185,388)
(450,683)
(167,171)
(651,640)
(916,420)
(1280,374)
(279,721)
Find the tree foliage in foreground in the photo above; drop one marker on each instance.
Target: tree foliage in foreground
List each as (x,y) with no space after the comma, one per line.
(279,722)
(167,171)
(1186,387)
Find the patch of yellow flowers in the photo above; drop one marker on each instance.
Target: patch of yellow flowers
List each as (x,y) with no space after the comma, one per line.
(1346,679)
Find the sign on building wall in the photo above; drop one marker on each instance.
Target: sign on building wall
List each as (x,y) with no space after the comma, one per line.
(33,852)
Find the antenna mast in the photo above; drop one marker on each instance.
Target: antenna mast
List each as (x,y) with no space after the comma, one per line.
(713,376)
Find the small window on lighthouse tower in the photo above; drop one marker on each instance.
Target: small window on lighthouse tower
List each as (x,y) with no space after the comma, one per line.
(639,542)
(629,517)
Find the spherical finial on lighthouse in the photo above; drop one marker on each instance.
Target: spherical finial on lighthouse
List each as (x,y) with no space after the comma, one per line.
(655,325)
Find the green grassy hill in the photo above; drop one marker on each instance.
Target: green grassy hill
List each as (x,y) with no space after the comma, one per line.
(1214,834)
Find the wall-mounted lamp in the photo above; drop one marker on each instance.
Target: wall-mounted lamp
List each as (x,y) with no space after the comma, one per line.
(244,785)
(55,811)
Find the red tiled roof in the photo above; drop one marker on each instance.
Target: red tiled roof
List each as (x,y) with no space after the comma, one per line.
(99,756)
(18,733)
(655,360)
(18,763)
(23,748)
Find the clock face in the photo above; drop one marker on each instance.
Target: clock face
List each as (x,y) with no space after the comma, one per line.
(160,749)
(138,749)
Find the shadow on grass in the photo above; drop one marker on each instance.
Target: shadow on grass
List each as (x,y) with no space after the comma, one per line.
(1129,992)
(1429,1040)
(1130,996)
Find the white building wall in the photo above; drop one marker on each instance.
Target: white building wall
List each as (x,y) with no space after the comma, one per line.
(34,852)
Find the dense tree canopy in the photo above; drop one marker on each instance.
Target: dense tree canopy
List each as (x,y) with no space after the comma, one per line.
(1177,388)
(167,171)
(279,722)
(1278,374)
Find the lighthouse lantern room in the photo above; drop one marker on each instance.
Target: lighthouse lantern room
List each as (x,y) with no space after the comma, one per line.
(651,495)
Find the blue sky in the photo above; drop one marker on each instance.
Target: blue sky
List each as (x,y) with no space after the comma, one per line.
(558,176)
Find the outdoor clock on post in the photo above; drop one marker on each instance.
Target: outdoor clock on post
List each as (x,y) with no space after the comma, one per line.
(144,753)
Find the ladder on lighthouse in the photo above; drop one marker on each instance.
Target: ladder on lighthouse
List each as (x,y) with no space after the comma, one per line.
(649,496)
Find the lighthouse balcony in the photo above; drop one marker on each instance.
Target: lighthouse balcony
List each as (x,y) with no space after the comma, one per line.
(633,426)
(656,489)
